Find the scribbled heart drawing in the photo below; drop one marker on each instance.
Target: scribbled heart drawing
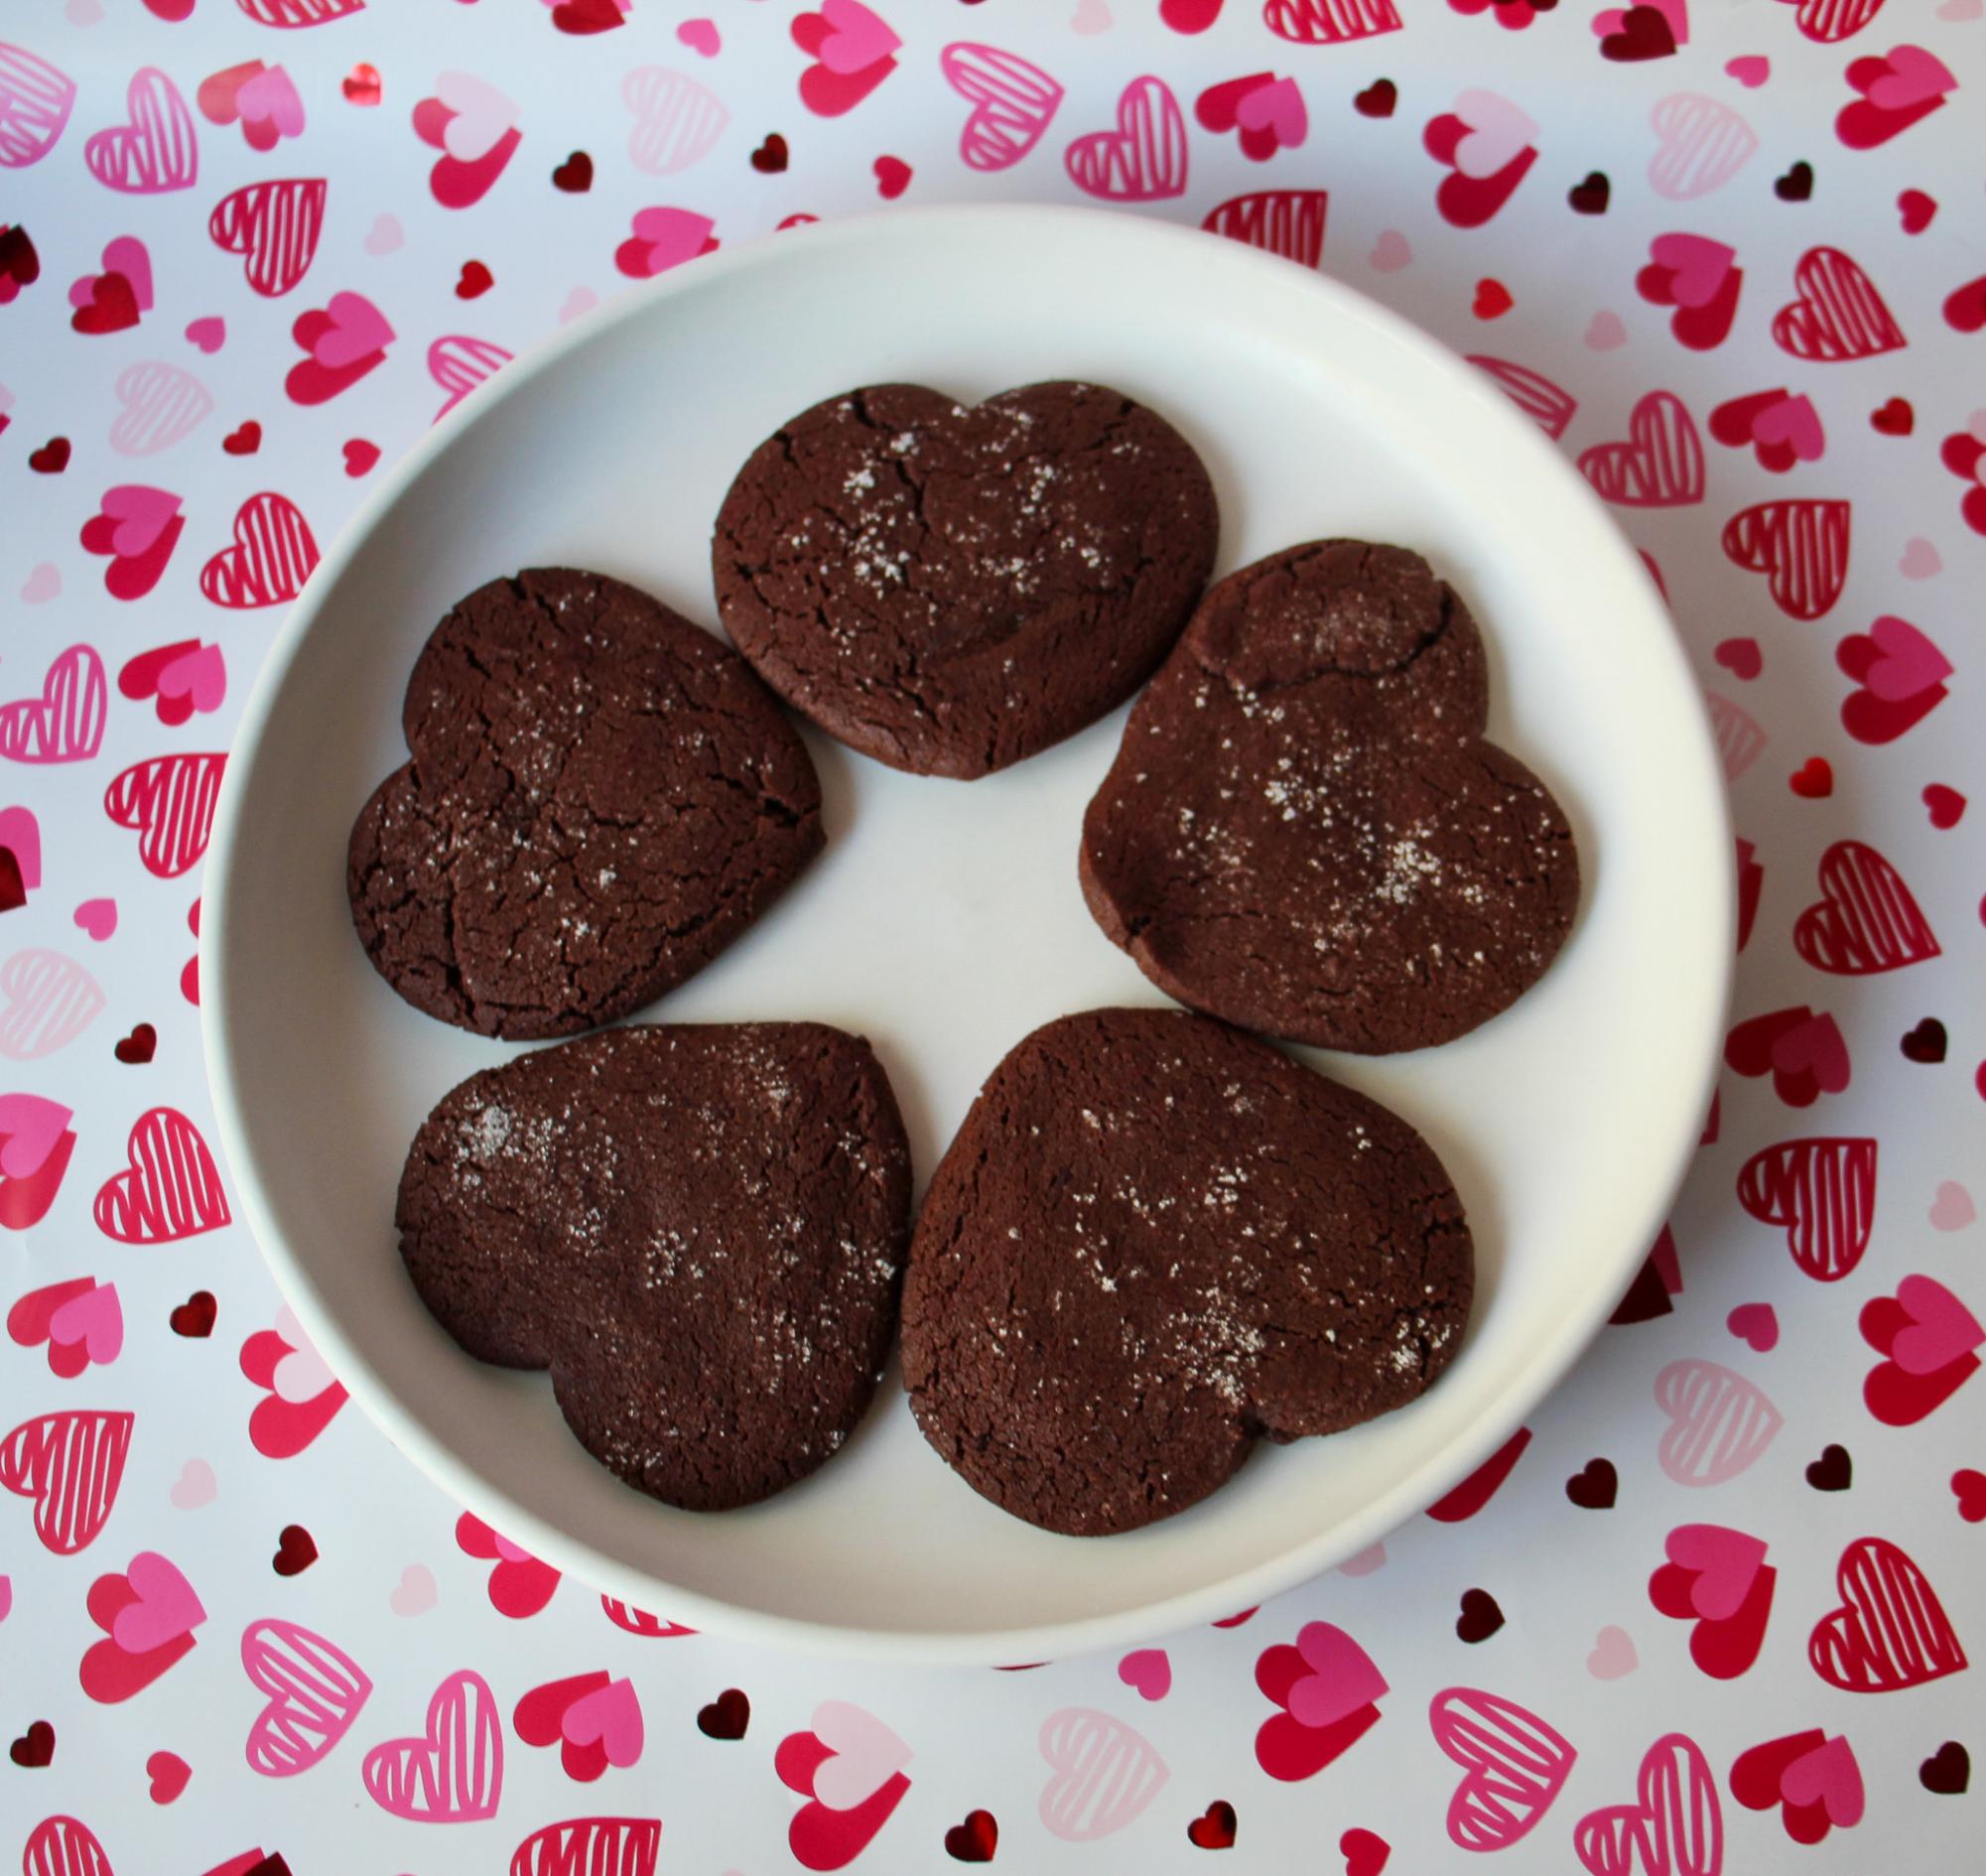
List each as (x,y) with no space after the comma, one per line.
(271,556)
(1548,405)
(155,149)
(171,1189)
(64,1846)
(1831,21)
(1144,157)
(1739,740)
(299,13)
(591,1846)
(1660,465)
(1103,1774)
(314,1691)
(1718,1579)
(274,226)
(1701,143)
(47,1000)
(70,1465)
(1014,102)
(1837,315)
(1285,221)
(1898,677)
(300,1396)
(1929,1340)
(1800,546)
(1515,1766)
(1824,1191)
(458,365)
(64,724)
(1329,22)
(1676,1828)
(35,102)
(147,1612)
(1865,920)
(158,405)
(637,1621)
(1327,1689)
(848,1767)
(1719,1423)
(1890,1631)
(677,122)
(475,127)
(169,801)
(453,1773)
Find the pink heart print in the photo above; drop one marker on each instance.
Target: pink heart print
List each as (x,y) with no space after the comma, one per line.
(1697,266)
(1701,144)
(161,404)
(1515,1764)
(271,556)
(164,1609)
(867,1755)
(1726,1563)
(663,238)
(1914,77)
(126,255)
(1148,1671)
(1675,1828)
(1275,108)
(610,1717)
(1908,663)
(1343,1678)
(64,724)
(140,515)
(30,1128)
(35,102)
(47,1000)
(1145,159)
(856,38)
(1014,102)
(156,149)
(452,1773)
(1499,132)
(313,1691)
(91,1321)
(1719,1422)
(353,329)
(1829,1777)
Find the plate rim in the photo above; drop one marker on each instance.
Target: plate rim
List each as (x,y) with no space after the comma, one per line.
(1560,1347)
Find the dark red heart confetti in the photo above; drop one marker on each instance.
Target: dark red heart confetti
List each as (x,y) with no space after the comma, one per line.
(35,1747)
(1644,33)
(1796,184)
(362,85)
(12,890)
(19,263)
(194,1318)
(1378,99)
(296,1551)
(892,177)
(137,1048)
(1214,1829)
(1893,419)
(579,17)
(1916,209)
(244,440)
(1926,1042)
(475,280)
(1947,1772)
(1741,657)
(1833,1471)
(51,458)
(975,1841)
(575,174)
(1594,1487)
(769,159)
(1493,300)
(1813,780)
(1480,1617)
(726,1716)
(1591,197)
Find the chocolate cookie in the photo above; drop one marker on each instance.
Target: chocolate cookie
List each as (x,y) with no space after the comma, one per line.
(700,1231)
(950,588)
(1305,831)
(601,798)
(1153,1239)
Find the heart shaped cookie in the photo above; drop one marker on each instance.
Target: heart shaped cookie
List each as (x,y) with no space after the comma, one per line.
(951,588)
(699,1230)
(1305,831)
(1153,1239)
(601,798)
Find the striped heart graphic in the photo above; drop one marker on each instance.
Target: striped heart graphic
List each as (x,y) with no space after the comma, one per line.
(1543,402)
(171,1189)
(47,1000)
(1515,1764)
(1103,1774)
(35,102)
(1865,920)
(1838,315)
(458,365)
(1660,465)
(156,149)
(271,556)
(1800,546)
(169,801)
(453,1772)
(1719,1422)
(158,405)
(1701,143)
(677,122)
(65,723)
(1285,221)
(591,1846)
(1014,102)
(1890,1631)
(64,1846)
(1144,157)
(298,13)
(275,227)
(1740,741)
(1824,1191)
(70,1465)
(314,1692)
(1675,1828)
(1831,21)
(1329,22)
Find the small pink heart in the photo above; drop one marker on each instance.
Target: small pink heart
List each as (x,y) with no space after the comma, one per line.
(1090,18)
(1613,1655)
(1371,1557)
(1952,1209)
(270,99)
(414,1594)
(30,1126)
(1942,1330)
(1756,1323)
(6,1596)
(1827,1776)
(165,1606)
(579,300)
(609,1716)
(98,917)
(855,39)
(1914,77)
(1390,252)
(1342,1680)
(1150,1671)
(194,1487)
(199,675)
(1921,559)
(208,334)
(93,1319)
(1726,1563)
(44,581)
(385,236)
(1960,10)
(1605,331)
(1751,70)
(701,36)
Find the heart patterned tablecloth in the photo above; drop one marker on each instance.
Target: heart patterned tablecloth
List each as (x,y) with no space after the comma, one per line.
(1710,1610)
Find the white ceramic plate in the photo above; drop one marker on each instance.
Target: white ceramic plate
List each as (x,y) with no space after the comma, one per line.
(944,920)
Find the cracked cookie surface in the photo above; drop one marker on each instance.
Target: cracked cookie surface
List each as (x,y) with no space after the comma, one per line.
(1305,831)
(950,588)
(601,797)
(700,1229)
(1156,1239)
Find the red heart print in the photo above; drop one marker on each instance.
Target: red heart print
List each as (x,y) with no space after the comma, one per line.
(296,1551)
(35,104)
(725,1718)
(582,16)
(1328,1691)
(195,1316)
(475,126)
(1894,418)
(1965,455)
(1813,780)
(1781,429)
(169,801)
(64,724)
(64,1846)
(346,339)
(636,1621)
(301,1397)
(1546,404)
(1633,33)
(1214,1829)
(1823,1192)
(1674,1828)
(475,281)
(1476,1491)
(147,1612)
(1801,545)
(1719,1579)
(1865,920)
(1944,805)
(157,674)
(853,51)
(451,1772)
(1897,90)
(1810,1779)
(78,1319)
(1830,20)
(1900,677)
(1659,466)
(1965,307)
(1366,1852)
(574,175)
(1929,1341)
(1486,145)
(156,147)
(1804,1053)
(362,87)
(1916,210)
(136,528)
(270,558)
(1741,657)
(848,1768)
(261,97)
(1189,16)
(598,1847)
(1514,1766)
(892,177)
(1969,1488)
(1329,22)
(1838,314)
(70,1465)
(1285,221)
(1750,884)
(519,1585)
(312,1691)
(168,1774)
(1145,159)
(1698,276)
(275,227)
(1493,300)
(360,456)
